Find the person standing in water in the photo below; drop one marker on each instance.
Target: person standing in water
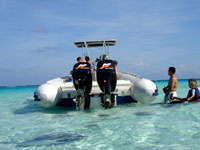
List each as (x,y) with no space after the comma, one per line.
(170,89)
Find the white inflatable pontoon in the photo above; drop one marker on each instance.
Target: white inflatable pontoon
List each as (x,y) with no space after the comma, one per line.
(130,87)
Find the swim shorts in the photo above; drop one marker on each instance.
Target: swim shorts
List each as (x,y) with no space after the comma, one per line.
(168,96)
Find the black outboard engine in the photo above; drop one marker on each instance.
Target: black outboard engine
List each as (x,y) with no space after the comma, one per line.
(82,79)
(107,79)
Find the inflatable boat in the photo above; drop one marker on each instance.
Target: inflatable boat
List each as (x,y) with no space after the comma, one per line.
(62,91)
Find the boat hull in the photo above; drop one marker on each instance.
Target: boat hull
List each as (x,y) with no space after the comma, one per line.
(130,88)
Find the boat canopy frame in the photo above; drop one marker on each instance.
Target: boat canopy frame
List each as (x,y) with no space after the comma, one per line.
(105,44)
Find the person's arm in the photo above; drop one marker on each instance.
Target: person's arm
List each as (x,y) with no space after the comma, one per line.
(166,88)
(82,60)
(117,74)
(191,97)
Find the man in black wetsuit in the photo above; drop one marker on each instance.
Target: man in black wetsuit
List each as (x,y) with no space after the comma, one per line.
(82,79)
(107,79)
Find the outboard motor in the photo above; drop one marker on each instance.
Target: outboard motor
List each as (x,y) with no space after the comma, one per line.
(82,79)
(106,78)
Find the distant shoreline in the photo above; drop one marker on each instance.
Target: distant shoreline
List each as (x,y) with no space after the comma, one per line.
(178,80)
(13,86)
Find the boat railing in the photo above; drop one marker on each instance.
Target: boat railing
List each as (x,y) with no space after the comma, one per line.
(131,74)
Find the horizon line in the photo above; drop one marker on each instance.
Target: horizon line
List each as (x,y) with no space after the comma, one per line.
(13,86)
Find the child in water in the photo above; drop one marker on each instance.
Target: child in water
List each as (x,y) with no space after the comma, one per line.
(193,93)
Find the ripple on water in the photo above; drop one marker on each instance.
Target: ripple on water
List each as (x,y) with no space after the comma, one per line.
(26,125)
(51,139)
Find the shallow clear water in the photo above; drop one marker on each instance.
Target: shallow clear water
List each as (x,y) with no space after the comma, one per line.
(25,125)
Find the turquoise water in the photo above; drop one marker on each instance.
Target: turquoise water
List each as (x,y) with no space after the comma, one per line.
(25,125)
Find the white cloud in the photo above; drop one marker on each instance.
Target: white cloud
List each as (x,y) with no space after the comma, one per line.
(141,63)
(47,49)
(40,30)
(182,66)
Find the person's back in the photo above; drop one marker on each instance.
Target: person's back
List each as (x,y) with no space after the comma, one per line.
(173,83)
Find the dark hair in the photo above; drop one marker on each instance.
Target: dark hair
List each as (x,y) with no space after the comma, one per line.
(87,58)
(105,57)
(172,69)
(78,58)
(115,62)
(97,60)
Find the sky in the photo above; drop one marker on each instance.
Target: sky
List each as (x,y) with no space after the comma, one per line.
(36,37)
